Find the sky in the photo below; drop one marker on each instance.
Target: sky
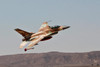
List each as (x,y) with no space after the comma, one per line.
(82,15)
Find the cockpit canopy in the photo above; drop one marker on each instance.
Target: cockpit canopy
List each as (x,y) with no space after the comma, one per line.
(54,27)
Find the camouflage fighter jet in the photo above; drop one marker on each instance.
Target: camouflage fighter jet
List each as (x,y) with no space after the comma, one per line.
(45,33)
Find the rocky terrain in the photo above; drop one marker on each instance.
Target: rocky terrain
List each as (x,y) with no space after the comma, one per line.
(51,59)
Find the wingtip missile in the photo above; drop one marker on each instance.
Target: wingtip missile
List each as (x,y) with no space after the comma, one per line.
(28,48)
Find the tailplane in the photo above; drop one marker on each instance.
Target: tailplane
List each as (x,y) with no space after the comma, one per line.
(23,33)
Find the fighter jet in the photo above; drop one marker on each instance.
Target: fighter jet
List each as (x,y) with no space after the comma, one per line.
(45,32)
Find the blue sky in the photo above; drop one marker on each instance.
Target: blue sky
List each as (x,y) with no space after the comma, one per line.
(82,15)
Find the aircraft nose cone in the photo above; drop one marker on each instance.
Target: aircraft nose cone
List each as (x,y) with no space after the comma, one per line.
(65,27)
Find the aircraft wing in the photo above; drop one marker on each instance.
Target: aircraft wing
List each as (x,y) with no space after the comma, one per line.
(35,41)
(23,44)
(44,26)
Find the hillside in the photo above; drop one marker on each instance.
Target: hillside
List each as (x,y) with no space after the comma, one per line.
(51,59)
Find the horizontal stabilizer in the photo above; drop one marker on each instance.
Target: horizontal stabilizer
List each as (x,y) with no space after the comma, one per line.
(23,33)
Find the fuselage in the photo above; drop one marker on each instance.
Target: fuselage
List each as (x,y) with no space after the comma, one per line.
(48,32)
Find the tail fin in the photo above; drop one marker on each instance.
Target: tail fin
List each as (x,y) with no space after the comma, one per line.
(23,33)
(44,26)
